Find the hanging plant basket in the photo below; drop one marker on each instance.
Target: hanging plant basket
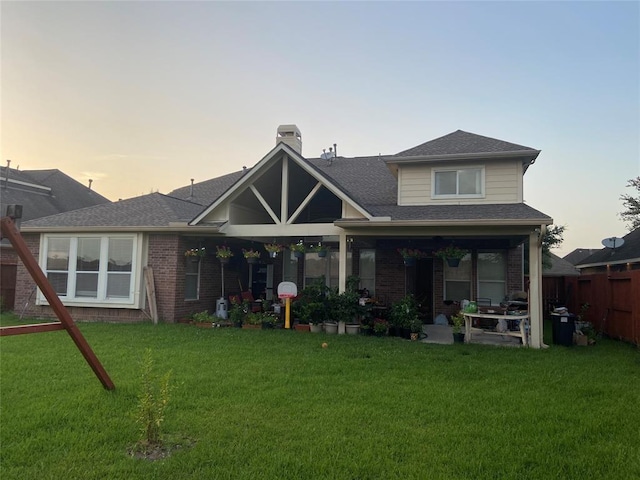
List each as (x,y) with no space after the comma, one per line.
(410,261)
(223,260)
(251,260)
(453,262)
(451,254)
(273,254)
(298,254)
(322,253)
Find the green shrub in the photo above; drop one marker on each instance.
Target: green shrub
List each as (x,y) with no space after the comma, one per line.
(152,403)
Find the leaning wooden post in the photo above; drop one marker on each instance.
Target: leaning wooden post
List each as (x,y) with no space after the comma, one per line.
(10,231)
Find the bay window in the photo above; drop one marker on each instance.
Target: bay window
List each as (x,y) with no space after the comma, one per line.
(91,268)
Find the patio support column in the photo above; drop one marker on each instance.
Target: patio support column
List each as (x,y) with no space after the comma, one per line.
(342,263)
(535,288)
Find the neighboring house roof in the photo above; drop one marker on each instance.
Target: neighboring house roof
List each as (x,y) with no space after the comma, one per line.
(147,211)
(460,143)
(44,192)
(559,268)
(629,252)
(579,254)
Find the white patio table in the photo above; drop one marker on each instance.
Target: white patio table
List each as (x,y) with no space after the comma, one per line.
(522,333)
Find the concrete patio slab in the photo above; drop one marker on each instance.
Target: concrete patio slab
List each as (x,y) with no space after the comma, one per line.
(443,334)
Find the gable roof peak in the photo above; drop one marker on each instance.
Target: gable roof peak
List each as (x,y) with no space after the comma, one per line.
(463,143)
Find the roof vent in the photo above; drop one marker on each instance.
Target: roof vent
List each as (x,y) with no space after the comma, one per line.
(290,134)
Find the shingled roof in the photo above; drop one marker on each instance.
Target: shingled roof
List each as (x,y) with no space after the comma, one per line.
(460,142)
(579,254)
(44,192)
(560,268)
(147,211)
(207,191)
(628,252)
(367,180)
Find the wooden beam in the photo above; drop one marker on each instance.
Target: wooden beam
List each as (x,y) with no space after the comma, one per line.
(151,293)
(10,231)
(33,328)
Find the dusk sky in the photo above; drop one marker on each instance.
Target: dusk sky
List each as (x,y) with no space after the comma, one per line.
(144,96)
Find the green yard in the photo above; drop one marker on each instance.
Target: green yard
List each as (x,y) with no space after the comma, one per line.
(274,404)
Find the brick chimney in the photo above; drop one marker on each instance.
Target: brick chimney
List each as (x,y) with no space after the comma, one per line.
(290,134)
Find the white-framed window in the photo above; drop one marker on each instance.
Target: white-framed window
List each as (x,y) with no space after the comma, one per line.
(316,267)
(367,270)
(457,280)
(492,276)
(289,267)
(457,183)
(91,269)
(192,279)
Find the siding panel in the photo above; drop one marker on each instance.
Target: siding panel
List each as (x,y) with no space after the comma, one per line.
(502,184)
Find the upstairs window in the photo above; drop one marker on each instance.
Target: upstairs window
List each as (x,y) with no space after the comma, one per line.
(463,182)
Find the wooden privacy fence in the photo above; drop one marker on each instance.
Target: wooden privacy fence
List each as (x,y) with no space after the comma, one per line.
(614,300)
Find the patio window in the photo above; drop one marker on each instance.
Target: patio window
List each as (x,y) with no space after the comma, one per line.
(289,267)
(457,280)
(464,182)
(367,270)
(91,268)
(316,267)
(192,280)
(492,276)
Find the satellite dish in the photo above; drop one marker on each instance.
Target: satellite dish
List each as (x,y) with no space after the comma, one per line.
(613,242)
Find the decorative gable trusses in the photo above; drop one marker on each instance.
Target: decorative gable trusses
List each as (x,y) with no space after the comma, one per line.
(282,189)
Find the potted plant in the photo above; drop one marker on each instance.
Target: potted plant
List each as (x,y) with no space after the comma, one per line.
(223,253)
(269,320)
(298,249)
(237,312)
(415,327)
(302,311)
(195,254)
(344,308)
(203,319)
(380,327)
(251,255)
(273,249)
(410,255)
(458,324)
(451,254)
(404,315)
(321,250)
(252,321)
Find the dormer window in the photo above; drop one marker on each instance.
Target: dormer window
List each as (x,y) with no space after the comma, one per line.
(457,183)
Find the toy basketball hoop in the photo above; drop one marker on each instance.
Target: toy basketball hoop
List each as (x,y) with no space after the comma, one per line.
(287,290)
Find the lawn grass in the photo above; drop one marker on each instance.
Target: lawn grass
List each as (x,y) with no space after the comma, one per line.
(274,404)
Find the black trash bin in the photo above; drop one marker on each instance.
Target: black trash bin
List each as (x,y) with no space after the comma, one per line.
(562,328)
